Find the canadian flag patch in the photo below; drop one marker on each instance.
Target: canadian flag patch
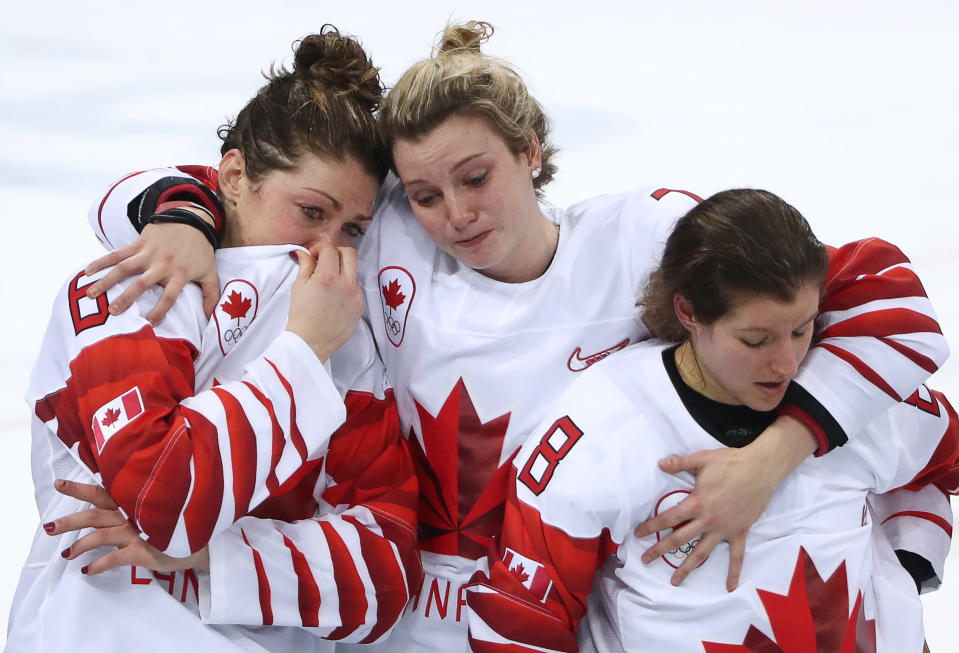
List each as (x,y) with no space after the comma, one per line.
(531,574)
(115,414)
(397,289)
(235,311)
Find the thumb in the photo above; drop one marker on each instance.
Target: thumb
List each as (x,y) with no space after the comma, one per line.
(210,287)
(307,264)
(687,463)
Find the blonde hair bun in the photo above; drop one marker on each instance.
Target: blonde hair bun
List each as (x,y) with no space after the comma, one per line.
(466,37)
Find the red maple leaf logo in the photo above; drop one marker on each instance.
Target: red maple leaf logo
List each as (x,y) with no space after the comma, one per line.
(236,306)
(805,620)
(392,295)
(462,484)
(520,572)
(113,414)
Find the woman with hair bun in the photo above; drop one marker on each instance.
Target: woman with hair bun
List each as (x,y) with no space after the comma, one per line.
(485,305)
(252,467)
(733,302)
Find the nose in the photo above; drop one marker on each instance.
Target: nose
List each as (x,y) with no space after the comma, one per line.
(459,213)
(786,359)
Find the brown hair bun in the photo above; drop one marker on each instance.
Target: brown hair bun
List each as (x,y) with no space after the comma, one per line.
(337,64)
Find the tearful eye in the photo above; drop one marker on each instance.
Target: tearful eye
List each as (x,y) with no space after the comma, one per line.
(353,230)
(312,212)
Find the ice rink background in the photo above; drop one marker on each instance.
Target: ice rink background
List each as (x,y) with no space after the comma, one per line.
(847,109)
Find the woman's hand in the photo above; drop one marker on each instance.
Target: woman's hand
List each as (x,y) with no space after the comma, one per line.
(326,300)
(733,488)
(112,530)
(169,255)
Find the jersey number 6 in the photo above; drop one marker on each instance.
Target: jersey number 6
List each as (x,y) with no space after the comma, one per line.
(553,447)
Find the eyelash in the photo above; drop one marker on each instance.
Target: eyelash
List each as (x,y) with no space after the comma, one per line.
(478,181)
(312,212)
(353,230)
(757,345)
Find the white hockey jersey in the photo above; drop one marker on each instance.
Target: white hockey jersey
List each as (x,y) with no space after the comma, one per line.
(475,362)
(808,581)
(227,429)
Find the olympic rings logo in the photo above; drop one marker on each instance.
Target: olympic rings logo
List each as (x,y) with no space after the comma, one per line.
(393,325)
(232,336)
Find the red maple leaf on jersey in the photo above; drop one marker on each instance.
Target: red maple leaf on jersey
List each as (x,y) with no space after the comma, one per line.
(392,295)
(520,572)
(462,484)
(805,620)
(236,306)
(113,414)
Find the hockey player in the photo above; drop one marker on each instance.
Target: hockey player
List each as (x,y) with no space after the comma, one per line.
(243,440)
(485,306)
(739,286)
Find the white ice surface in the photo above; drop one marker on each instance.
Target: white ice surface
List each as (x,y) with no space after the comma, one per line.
(847,109)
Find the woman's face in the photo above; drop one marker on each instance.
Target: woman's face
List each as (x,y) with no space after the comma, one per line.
(321,196)
(473,196)
(749,356)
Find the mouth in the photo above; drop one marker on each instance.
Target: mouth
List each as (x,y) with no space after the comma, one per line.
(772,387)
(474,240)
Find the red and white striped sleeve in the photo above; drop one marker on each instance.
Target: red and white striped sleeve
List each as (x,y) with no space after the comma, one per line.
(877,340)
(119,394)
(347,571)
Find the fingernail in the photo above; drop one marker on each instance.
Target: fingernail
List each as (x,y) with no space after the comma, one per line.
(66,552)
(85,569)
(674,582)
(647,558)
(114,309)
(49,526)
(92,291)
(59,484)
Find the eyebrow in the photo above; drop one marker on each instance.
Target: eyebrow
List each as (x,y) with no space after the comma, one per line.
(336,202)
(459,164)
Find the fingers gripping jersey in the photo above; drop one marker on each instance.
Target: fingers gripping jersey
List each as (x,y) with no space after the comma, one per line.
(809,556)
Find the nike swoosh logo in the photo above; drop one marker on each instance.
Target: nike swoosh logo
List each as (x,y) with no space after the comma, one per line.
(578,363)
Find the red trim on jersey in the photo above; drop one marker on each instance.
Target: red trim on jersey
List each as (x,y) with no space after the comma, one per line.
(921,514)
(662,192)
(822,442)
(262,582)
(278,442)
(104,201)
(861,367)
(883,323)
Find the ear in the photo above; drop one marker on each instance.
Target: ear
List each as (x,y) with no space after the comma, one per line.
(232,174)
(533,153)
(684,313)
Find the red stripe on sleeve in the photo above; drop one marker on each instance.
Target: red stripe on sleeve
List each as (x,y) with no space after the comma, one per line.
(349,586)
(243,452)
(107,196)
(928,516)
(883,323)
(924,362)
(263,583)
(861,367)
(386,577)
(308,593)
(279,442)
(295,436)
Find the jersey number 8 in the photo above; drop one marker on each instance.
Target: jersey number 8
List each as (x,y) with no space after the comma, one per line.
(553,447)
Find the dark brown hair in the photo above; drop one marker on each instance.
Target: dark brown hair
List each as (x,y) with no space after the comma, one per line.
(736,243)
(324,105)
(460,79)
